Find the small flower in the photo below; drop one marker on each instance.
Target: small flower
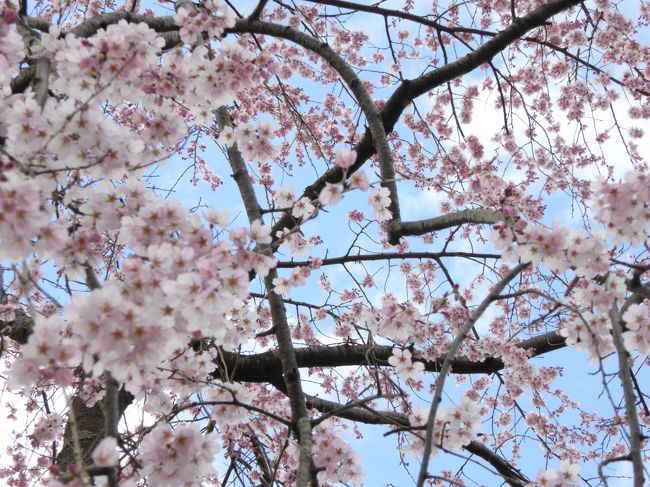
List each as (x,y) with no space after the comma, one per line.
(105,455)
(260,233)
(217,218)
(284,197)
(330,194)
(303,208)
(345,158)
(359,180)
(281,286)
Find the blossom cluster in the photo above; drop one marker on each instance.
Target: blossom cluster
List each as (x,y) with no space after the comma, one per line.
(379,199)
(111,61)
(47,429)
(22,217)
(637,322)
(47,354)
(177,456)
(195,288)
(404,366)
(224,400)
(253,143)
(394,320)
(567,476)
(623,209)
(332,193)
(105,453)
(340,463)
(297,278)
(558,248)
(454,427)
(12,49)
(49,140)
(213,20)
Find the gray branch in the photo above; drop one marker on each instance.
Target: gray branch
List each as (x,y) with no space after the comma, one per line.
(625,374)
(446,366)
(420,227)
(286,353)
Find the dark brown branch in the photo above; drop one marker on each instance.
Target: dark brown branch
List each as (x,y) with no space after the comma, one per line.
(259,8)
(386,256)
(265,367)
(20,83)
(90,422)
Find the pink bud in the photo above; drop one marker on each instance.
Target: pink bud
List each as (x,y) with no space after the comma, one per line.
(345,158)
(10,16)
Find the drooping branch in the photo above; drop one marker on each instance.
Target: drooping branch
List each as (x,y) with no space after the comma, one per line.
(370,416)
(286,353)
(446,366)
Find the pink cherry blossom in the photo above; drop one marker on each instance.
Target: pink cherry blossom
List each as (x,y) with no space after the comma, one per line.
(345,158)
(105,454)
(330,194)
(171,242)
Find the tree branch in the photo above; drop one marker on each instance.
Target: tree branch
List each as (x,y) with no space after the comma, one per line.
(450,220)
(285,352)
(265,367)
(368,416)
(446,366)
(385,256)
(624,373)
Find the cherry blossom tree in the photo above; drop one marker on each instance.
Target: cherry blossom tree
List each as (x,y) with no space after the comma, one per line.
(381,199)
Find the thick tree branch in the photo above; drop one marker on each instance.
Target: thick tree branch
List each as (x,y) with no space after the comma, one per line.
(265,367)
(450,220)
(257,11)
